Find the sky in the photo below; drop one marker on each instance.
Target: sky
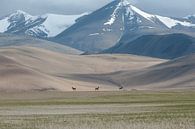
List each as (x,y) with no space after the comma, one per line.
(174,8)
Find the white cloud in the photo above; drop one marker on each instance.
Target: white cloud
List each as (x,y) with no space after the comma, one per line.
(162,7)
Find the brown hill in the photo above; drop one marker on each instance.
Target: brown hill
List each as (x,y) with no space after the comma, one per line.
(175,74)
(29,68)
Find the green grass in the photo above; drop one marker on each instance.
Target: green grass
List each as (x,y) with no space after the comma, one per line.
(136,110)
(120,98)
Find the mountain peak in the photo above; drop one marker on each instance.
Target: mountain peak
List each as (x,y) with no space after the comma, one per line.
(142,13)
(20,11)
(122,2)
(125,2)
(129,11)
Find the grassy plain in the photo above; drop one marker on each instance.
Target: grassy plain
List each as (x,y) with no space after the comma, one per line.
(98,110)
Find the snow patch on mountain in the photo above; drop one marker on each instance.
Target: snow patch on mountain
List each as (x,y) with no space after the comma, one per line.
(94,34)
(146,27)
(47,25)
(20,12)
(142,13)
(169,22)
(125,2)
(113,16)
(55,24)
(14,17)
(4,24)
(130,11)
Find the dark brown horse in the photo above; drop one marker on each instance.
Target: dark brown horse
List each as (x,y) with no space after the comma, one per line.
(120,88)
(97,88)
(74,89)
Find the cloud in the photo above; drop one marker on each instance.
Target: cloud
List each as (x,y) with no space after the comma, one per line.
(55,6)
(177,8)
(163,7)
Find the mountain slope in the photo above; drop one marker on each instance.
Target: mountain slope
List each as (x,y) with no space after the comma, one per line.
(91,33)
(16,77)
(28,68)
(42,26)
(7,40)
(174,74)
(117,22)
(160,46)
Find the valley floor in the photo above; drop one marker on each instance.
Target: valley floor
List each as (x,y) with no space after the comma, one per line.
(98,110)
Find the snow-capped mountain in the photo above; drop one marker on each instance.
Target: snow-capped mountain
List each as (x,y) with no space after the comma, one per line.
(132,12)
(43,26)
(191,18)
(117,22)
(8,22)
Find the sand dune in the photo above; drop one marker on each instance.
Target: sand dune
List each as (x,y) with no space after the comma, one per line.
(29,68)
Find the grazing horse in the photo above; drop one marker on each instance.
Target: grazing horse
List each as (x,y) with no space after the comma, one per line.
(120,88)
(97,88)
(74,89)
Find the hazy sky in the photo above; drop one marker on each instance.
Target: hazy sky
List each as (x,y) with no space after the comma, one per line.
(178,8)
